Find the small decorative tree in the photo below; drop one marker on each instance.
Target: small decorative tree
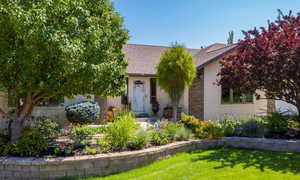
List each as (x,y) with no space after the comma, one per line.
(267,60)
(175,72)
(59,48)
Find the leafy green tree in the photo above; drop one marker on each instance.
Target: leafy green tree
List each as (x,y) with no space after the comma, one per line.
(175,72)
(56,48)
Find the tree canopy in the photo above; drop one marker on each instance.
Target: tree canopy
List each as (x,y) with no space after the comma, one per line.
(51,48)
(175,72)
(267,59)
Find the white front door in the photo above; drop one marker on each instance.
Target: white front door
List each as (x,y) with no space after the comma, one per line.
(138,104)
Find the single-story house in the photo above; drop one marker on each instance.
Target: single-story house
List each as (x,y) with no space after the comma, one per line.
(203,99)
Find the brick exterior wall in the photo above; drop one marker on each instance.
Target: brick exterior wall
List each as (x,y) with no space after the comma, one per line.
(196,96)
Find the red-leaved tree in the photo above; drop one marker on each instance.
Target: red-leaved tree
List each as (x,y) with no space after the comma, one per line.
(267,59)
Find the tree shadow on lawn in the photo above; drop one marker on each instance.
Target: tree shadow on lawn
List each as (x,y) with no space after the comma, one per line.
(231,157)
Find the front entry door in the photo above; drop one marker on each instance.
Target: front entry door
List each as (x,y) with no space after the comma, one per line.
(138,97)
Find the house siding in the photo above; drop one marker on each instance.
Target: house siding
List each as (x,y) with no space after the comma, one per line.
(196,96)
(212,99)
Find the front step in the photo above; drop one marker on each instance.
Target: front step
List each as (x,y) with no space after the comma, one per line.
(141,115)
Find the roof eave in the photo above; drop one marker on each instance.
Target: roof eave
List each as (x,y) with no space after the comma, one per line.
(216,58)
(141,74)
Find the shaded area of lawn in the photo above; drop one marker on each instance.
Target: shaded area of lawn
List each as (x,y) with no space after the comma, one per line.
(261,160)
(218,164)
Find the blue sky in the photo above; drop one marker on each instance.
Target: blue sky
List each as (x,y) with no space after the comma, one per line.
(196,23)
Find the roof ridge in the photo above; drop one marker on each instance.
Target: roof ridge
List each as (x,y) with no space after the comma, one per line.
(158,46)
(226,46)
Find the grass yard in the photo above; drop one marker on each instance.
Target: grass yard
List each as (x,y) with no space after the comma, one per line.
(219,164)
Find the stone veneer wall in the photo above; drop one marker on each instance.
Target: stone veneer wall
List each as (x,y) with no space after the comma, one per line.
(12,168)
(196,96)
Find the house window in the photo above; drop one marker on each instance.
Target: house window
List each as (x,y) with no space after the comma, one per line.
(234,96)
(153,90)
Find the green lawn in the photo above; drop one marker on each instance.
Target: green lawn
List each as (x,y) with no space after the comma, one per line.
(219,164)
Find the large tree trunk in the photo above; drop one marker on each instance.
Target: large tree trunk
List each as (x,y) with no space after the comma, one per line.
(16,129)
(18,119)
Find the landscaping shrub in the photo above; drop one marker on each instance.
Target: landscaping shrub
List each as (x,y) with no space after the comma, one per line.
(183,134)
(104,145)
(64,149)
(252,127)
(49,129)
(119,133)
(293,129)
(190,122)
(81,135)
(159,138)
(83,112)
(202,129)
(209,129)
(277,122)
(4,140)
(91,150)
(139,140)
(171,129)
(230,125)
(31,143)
(34,141)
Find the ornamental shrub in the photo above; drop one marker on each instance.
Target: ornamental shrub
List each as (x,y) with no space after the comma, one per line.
(49,129)
(31,143)
(139,140)
(277,122)
(253,127)
(81,136)
(4,140)
(159,138)
(91,150)
(171,129)
(190,122)
(230,125)
(209,129)
(34,141)
(183,134)
(83,112)
(104,145)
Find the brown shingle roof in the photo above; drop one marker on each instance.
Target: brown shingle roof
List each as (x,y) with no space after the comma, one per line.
(211,53)
(142,59)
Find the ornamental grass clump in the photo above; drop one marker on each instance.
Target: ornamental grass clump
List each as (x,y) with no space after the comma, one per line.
(183,134)
(119,133)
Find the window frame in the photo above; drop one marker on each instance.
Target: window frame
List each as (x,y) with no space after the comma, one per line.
(231,98)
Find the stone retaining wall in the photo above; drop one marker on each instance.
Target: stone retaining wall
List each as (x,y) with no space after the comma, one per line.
(104,164)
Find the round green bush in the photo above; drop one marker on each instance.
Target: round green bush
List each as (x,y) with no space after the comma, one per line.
(83,112)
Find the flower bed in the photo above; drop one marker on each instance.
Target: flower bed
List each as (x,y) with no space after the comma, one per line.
(12,168)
